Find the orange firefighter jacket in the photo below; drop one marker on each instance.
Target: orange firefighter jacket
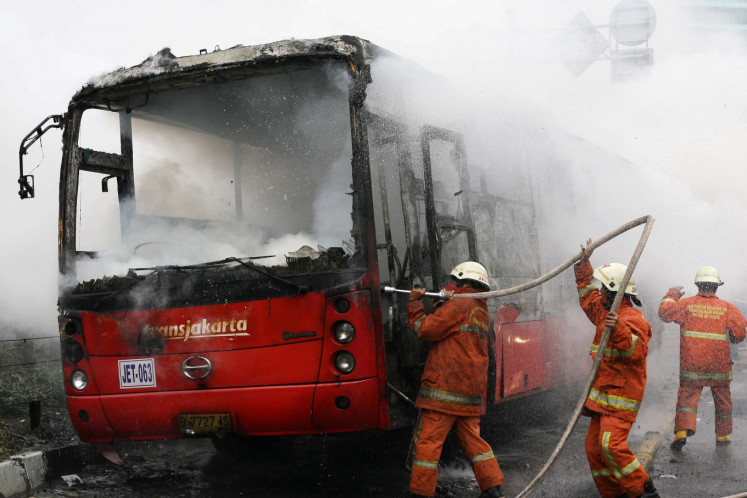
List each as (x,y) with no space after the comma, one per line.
(456,371)
(621,380)
(707,325)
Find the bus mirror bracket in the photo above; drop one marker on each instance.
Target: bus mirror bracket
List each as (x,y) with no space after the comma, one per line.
(105,182)
(26,182)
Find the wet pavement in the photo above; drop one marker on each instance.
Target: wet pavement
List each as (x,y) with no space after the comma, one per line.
(702,468)
(373,465)
(368,464)
(523,434)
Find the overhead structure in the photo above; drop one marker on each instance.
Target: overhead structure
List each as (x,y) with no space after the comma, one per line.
(580,44)
(632,22)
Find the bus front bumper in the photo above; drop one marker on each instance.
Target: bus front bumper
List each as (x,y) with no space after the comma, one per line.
(269,410)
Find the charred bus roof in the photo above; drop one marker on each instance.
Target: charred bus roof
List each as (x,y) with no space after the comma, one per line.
(166,71)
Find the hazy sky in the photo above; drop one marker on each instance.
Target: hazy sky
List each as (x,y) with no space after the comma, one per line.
(686,120)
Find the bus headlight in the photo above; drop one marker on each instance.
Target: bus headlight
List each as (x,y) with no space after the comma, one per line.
(344,332)
(341,306)
(73,351)
(69,326)
(79,380)
(345,362)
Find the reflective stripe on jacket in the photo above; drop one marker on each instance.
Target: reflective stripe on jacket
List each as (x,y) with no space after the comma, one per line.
(707,325)
(621,380)
(456,371)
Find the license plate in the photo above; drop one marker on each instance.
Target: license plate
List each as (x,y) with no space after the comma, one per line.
(194,424)
(137,373)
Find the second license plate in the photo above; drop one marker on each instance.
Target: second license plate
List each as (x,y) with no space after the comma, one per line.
(194,424)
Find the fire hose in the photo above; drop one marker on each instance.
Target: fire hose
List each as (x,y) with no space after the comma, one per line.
(649,222)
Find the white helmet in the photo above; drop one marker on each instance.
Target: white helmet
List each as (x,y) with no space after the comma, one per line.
(469,270)
(611,276)
(708,274)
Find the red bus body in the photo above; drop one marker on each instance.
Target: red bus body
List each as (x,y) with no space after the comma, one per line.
(535,356)
(303,140)
(244,381)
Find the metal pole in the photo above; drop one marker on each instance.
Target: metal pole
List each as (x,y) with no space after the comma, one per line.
(440,295)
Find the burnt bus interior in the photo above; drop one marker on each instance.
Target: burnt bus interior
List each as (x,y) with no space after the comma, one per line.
(431,212)
(265,179)
(239,188)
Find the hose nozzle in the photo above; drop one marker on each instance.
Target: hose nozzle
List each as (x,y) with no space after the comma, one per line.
(391,290)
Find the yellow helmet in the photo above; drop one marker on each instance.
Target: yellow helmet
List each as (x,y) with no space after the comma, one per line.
(611,276)
(469,270)
(708,274)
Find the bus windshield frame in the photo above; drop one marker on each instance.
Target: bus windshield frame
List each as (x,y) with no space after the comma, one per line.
(303,111)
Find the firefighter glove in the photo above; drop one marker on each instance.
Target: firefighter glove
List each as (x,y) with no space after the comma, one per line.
(612,320)
(417,293)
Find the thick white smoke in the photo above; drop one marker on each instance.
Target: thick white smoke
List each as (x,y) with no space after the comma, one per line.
(680,126)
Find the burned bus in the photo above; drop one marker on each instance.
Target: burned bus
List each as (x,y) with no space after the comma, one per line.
(228,220)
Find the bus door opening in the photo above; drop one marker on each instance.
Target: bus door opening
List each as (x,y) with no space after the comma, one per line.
(446,201)
(398,246)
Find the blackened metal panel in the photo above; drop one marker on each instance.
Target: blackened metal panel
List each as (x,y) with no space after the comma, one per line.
(363,213)
(126,181)
(71,158)
(434,249)
(464,180)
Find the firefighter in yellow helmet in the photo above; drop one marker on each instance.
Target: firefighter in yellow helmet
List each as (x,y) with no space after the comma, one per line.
(707,326)
(454,381)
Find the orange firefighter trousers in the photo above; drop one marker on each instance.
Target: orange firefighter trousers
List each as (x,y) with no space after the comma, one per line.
(430,433)
(687,408)
(614,467)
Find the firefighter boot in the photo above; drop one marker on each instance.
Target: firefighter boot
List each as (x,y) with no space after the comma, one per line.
(723,440)
(649,490)
(680,440)
(494,492)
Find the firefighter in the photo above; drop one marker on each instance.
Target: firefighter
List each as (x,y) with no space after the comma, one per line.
(707,325)
(454,382)
(618,388)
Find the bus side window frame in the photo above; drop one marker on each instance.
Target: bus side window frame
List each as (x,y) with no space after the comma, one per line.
(434,225)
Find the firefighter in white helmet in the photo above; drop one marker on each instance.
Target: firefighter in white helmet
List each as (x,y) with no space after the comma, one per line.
(454,381)
(471,272)
(618,388)
(707,326)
